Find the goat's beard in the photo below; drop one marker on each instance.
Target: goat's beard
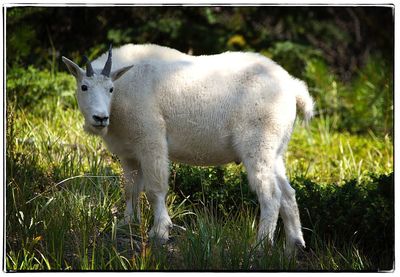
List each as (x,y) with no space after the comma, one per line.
(88,128)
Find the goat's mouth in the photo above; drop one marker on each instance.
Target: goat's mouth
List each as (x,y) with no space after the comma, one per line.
(99,126)
(96,129)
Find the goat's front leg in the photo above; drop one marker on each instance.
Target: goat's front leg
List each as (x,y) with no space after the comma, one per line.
(133,184)
(155,174)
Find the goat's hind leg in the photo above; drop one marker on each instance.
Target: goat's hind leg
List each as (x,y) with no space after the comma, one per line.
(289,210)
(261,175)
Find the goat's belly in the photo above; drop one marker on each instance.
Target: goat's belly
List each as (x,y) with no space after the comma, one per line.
(201,151)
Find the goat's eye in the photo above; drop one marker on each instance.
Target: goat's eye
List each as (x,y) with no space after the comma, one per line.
(84,88)
(111,90)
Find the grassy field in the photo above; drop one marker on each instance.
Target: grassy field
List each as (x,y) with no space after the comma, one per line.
(64,203)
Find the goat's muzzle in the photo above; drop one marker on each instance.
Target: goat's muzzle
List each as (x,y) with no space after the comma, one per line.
(100,121)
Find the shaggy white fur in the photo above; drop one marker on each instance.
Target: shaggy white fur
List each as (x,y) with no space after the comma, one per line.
(199,110)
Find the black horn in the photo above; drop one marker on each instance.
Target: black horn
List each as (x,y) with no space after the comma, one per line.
(107,67)
(89,68)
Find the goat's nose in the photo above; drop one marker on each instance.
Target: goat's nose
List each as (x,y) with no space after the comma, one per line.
(100,119)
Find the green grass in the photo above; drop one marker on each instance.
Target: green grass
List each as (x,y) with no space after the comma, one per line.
(64,202)
(326,156)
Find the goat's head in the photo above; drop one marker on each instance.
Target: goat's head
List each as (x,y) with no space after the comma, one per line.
(94,92)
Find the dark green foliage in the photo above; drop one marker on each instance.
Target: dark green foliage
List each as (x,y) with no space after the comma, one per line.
(365,104)
(370,101)
(361,212)
(222,187)
(293,57)
(344,35)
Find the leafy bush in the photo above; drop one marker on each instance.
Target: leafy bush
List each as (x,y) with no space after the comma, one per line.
(224,187)
(29,87)
(365,104)
(292,56)
(369,101)
(361,212)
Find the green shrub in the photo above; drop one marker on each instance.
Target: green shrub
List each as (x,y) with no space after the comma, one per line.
(292,56)
(365,104)
(225,188)
(29,87)
(360,212)
(369,101)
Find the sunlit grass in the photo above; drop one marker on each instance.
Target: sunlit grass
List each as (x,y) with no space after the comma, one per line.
(331,157)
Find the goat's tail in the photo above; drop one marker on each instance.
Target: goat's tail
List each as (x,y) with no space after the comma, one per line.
(304,101)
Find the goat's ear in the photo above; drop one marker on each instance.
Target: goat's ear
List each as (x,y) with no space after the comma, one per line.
(115,75)
(73,68)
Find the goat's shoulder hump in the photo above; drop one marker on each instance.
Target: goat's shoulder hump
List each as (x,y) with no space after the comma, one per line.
(140,53)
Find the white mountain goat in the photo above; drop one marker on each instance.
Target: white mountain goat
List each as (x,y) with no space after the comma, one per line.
(152,104)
